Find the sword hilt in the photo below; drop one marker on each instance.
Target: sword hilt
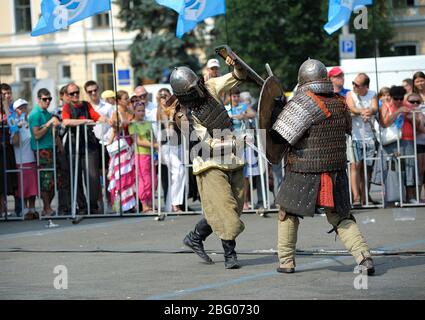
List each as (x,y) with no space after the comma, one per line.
(269,70)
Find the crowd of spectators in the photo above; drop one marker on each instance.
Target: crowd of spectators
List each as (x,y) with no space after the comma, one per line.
(399,107)
(110,142)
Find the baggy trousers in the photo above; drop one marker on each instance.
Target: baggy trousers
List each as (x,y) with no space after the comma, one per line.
(222,201)
(347,230)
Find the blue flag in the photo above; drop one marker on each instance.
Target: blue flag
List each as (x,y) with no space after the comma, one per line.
(191,12)
(340,12)
(59,14)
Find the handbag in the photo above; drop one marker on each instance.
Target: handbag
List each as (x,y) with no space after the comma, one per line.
(390,135)
(117,146)
(392,184)
(350,149)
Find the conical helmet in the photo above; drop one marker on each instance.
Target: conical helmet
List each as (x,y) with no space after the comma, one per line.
(312,70)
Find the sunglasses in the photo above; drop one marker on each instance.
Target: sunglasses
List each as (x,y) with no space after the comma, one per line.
(357,85)
(163,96)
(92,91)
(47,99)
(414,101)
(75,93)
(398,98)
(143,96)
(138,104)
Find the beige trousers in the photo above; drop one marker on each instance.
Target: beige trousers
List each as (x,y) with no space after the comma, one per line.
(347,230)
(222,200)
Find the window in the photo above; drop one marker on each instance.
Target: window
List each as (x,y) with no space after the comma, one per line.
(128,4)
(6,69)
(22,15)
(405,50)
(101,21)
(65,72)
(26,78)
(398,4)
(105,76)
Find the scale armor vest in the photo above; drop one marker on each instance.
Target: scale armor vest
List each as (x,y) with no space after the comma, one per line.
(323,147)
(212,115)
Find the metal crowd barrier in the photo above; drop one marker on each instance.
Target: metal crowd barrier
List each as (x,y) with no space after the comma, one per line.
(21,180)
(158,198)
(382,157)
(414,157)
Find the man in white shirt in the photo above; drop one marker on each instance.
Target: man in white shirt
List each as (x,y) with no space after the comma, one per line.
(106,108)
(92,90)
(363,104)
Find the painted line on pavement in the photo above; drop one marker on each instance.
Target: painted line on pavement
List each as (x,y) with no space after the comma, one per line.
(303,267)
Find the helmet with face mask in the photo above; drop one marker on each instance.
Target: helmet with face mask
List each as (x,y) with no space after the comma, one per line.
(187,86)
(192,93)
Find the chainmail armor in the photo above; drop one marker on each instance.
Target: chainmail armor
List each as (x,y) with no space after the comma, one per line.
(317,87)
(323,147)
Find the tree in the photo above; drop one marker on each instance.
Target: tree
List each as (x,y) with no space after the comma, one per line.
(155,50)
(285,33)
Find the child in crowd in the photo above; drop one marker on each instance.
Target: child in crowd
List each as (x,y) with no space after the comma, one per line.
(142,136)
(384,96)
(25,160)
(122,181)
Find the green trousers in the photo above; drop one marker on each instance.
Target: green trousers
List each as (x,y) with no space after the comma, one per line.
(222,201)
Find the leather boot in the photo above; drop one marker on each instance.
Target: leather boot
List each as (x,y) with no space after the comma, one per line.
(368,264)
(230,257)
(195,238)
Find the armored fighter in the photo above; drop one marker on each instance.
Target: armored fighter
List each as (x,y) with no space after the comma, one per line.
(200,113)
(310,131)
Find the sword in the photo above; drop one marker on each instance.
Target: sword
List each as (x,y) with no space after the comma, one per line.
(261,153)
(254,147)
(225,51)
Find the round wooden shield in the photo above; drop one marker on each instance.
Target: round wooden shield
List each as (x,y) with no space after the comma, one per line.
(270,90)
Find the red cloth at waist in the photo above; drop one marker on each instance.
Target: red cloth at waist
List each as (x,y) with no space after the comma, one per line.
(325,196)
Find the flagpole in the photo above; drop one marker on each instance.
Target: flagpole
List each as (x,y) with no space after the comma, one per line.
(227,31)
(381,151)
(114,68)
(376,47)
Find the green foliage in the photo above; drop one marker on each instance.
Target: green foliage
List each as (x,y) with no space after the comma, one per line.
(156,47)
(285,33)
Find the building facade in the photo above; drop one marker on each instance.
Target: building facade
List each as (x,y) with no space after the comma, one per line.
(84,50)
(81,52)
(408,20)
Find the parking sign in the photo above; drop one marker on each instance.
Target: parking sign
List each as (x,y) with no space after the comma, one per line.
(347,46)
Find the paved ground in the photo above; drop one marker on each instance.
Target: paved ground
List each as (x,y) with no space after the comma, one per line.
(146,260)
